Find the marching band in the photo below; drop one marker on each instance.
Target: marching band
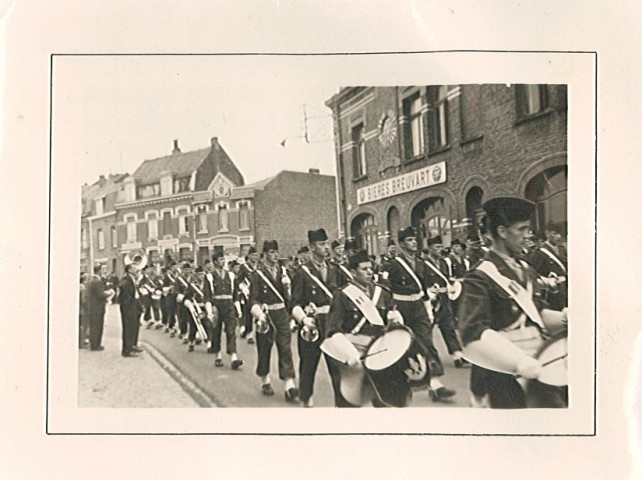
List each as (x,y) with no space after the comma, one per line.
(498,300)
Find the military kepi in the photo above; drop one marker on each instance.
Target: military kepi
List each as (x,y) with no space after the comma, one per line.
(317,235)
(270,245)
(359,257)
(504,211)
(351,244)
(435,240)
(406,232)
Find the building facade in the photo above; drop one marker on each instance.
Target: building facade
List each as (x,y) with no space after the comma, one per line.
(179,207)
(429,156)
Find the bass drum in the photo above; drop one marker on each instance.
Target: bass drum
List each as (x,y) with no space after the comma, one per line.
(393,359)
(550,390)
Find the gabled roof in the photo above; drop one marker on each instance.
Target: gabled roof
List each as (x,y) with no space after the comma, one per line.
(180,164)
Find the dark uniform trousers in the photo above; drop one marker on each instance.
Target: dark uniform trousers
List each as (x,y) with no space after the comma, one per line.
(247,316)
(280,334)
(416,318)
(504,392)
(309,355)
(184,318)
(130,316)
(169,310)
(151,306)
(445,320)
(226,319)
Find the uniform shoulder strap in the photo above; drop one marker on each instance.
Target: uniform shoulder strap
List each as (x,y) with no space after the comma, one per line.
(317,281)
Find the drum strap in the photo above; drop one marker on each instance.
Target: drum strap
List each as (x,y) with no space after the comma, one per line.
(346,271)
(519,294)
(210,279)
(317,281)
(552,256)
(269,284)
(366,305)
(411,272)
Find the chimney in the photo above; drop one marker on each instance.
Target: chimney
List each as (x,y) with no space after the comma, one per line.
(176,149)
(215,145)
(314,171)
(102,180)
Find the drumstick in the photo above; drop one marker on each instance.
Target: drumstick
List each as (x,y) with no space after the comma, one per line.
(545,364)
(373,353)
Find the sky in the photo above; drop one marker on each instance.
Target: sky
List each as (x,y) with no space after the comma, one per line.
(110,113)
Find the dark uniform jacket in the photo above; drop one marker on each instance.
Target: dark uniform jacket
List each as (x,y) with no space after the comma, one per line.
(127,296)
(401,282)
(214,285)
(261,292)
(95,297)
(306,291)
(344,273)
(245,275)
(345,315)
(484,304)
(457,269)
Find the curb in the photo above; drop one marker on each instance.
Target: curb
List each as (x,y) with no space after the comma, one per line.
(202,398)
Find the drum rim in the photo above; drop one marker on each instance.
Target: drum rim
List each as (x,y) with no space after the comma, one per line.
(402,328)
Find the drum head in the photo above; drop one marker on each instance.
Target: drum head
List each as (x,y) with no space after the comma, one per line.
(553,355)
(387,349)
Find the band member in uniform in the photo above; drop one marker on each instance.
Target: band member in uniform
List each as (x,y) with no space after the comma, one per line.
(269,295)
(550,262)
(194,302)
(218,291)
(407,277)
(312,290)
(182,312)
(340,261)
(130,310)
(348,319)
(169,293)
(151,301)
(439,284)
(501,322)
(243,281)
(303,255)
(456,261)
(474,250)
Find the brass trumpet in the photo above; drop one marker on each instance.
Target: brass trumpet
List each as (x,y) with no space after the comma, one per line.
(263,324)
(310,334)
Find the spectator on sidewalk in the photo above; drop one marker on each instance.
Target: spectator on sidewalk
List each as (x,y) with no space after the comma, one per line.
(83,338)
(130,311)
(96,296)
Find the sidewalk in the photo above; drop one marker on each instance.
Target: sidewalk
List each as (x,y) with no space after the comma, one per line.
(108,380)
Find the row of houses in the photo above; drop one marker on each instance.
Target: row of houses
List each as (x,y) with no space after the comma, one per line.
(186,205)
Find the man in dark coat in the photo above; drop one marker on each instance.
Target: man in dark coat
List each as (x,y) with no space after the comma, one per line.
(130,311)
(96,297)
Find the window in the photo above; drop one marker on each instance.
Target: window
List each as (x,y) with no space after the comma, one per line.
(166,185)
(531,100)
(181,185)
(167,223)
(131,230)
(114,237)
(152,227)
(83,238)
(244,216)
(100,206)
(148,191)
(101,239)
(202,219)
(439,117)
(415,127)
(358,151)
(471,112)
(222,218)
(183,225)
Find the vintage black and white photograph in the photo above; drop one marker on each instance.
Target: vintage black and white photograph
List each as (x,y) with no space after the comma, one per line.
(299,242)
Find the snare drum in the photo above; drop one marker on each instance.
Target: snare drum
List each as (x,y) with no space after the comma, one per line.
(550,390)
(391,360)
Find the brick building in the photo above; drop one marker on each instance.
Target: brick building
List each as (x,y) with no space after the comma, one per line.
(99,242)
(178,206)
(429,156)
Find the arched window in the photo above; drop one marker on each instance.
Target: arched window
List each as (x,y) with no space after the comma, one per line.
(363,228)
(548,190)
(393,221)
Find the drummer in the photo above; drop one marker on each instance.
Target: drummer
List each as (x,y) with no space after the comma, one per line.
(360,326)
(502,323)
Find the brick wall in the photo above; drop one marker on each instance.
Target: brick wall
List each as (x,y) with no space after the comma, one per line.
(290,205)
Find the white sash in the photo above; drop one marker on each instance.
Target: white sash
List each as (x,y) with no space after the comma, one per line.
(411,272)
(437,271)
(210,279)
(553,257)
(519,294)
(269,284)
(346,271)
(317,281)
(366,305)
